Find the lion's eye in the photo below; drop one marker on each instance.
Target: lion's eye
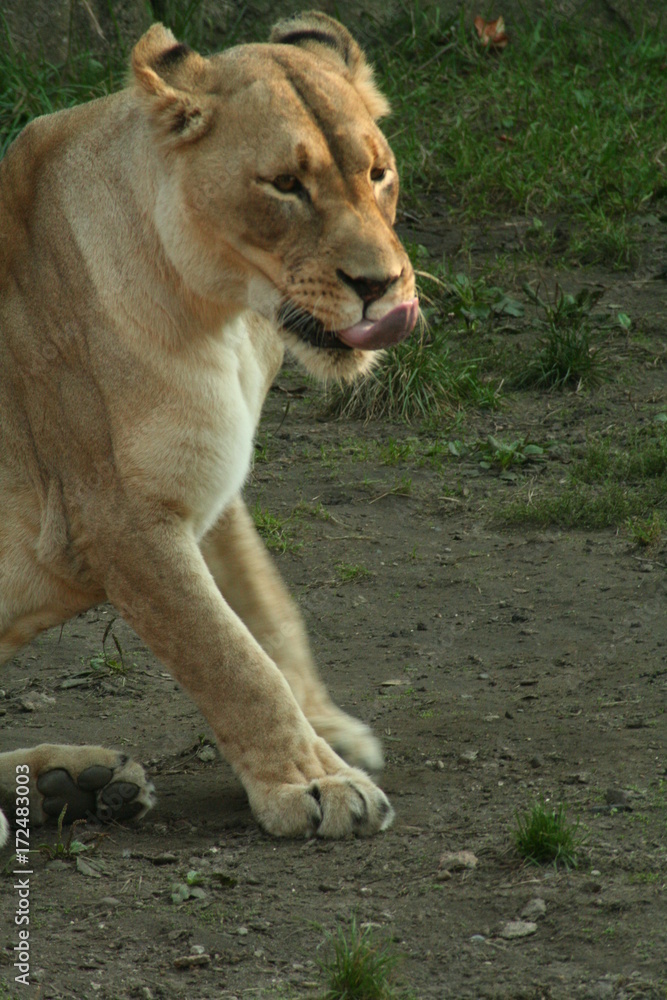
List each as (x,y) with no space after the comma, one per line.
(378,174)
(287,184)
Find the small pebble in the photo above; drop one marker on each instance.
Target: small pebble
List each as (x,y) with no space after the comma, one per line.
(453,861)
(534,909)
(518,929)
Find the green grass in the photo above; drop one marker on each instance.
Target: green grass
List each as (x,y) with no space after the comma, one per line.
(348,572)
(417,380)
(615,482)
(563,358)
(358,967)
(569,354)
(488,133)
(30,89)
(278,534)
(579,506)
(543,836)
(647,532)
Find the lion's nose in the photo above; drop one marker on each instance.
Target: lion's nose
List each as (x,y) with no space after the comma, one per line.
(368,289)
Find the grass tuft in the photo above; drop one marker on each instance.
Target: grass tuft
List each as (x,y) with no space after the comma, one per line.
(647,532)
(417,380)
(357,967)
(569,353)
(564,357)
(278,535)
(544,836)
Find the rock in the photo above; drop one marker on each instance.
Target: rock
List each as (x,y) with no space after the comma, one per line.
(617,799)
(36,701)
(57,866)
(577,778)
(454,861)
(477,939)
(602,990)
(392,683)
(518,929)
(534,909)
(191,961)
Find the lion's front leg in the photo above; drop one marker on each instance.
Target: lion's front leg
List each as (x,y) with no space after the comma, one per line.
(250,583)
(295,782)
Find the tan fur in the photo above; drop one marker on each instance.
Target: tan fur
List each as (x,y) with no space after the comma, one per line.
(145,254)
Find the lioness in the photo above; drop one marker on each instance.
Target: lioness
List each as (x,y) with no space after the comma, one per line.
(160,249)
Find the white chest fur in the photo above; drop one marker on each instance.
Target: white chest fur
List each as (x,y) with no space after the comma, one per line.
(192,448)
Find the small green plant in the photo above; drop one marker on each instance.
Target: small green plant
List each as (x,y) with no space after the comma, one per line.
(569,353)
(496,453)
(64,849)
(544,836)
(647,532)
(357,967)
(114,664)
(191,888)
(278,535)
(417,380)
(349,572)
(470,299)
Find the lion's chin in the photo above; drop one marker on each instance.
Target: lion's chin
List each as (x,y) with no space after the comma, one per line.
(330,364)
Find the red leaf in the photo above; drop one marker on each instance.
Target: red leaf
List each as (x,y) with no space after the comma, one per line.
(491,33)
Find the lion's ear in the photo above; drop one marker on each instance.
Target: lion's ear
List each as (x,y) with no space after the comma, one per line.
(326,37)
(170,77)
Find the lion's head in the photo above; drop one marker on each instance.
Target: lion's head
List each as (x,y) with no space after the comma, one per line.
(277,187)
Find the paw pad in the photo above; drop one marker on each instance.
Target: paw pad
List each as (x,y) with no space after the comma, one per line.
(93,794)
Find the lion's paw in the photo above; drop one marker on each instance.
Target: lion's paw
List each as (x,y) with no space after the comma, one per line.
(334,806)
(91,781)
(352,740)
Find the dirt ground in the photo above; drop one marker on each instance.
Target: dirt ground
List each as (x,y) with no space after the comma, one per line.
(498,666)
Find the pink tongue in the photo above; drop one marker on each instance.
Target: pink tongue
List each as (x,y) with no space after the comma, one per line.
(391,329)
